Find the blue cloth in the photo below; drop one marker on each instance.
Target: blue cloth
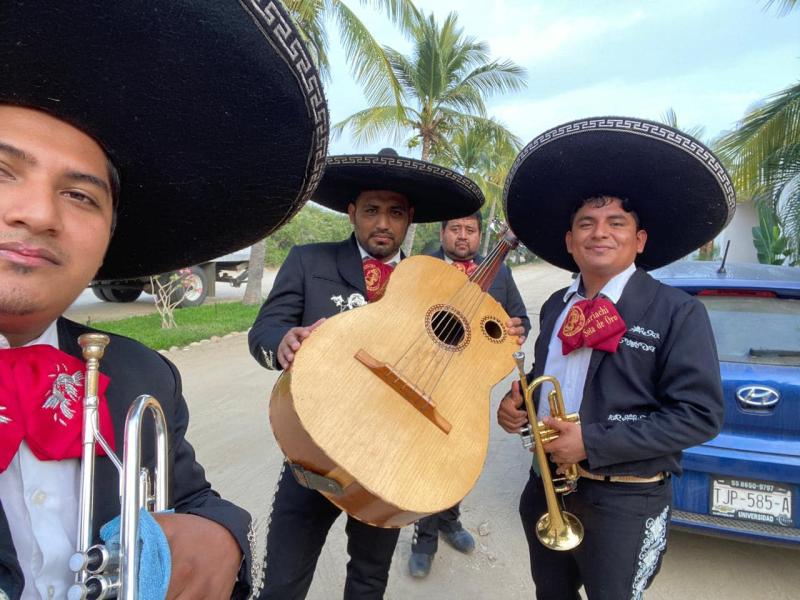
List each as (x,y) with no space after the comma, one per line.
(155,562)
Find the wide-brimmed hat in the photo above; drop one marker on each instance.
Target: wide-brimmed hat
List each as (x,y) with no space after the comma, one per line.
(211,110)
(680,191)
(435,192)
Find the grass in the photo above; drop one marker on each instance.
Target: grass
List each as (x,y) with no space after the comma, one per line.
(194,324)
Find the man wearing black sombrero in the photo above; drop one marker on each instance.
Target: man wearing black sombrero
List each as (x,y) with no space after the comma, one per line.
(128,133)
(382,193)
(611,198)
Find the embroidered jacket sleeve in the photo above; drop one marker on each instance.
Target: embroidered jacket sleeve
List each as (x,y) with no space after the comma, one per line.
(282,310)
(685,387)
(193,494)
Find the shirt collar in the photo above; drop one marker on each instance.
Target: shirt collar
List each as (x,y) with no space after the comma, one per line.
(611,290)
(392,262)
(49,337)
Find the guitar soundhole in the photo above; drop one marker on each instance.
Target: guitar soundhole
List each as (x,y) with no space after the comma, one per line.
(493,329)
(447,326)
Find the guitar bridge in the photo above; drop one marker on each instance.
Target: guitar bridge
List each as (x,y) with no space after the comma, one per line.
(416,398)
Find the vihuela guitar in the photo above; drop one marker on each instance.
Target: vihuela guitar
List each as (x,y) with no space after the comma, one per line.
(385,409)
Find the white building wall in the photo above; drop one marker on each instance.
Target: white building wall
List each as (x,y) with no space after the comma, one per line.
(740,233)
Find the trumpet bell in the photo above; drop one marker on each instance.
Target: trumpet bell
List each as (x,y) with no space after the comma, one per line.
(561,538)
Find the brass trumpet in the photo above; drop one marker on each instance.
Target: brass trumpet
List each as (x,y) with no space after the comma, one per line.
(556,529)
(112,571)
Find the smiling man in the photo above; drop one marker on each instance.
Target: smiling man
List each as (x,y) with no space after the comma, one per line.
(381,194)
(95,179)
(609,198)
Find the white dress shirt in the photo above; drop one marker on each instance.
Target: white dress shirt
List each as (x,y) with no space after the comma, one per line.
(392,262)
(570,370)
(40,499)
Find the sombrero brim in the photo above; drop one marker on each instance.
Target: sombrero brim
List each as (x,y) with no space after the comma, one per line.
(435,192)
(212,111)
(680,191)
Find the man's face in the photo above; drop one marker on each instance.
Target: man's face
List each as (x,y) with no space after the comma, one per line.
(55,216)
(461,238)
(380,219)
(604,240)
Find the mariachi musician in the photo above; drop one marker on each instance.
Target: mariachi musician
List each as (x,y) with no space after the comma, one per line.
(611,198)
(382,194)
(128,133)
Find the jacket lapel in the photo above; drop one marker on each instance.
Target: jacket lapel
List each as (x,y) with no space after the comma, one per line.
(636,297)
(348,262)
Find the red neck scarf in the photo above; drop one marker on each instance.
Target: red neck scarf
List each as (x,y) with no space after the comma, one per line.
(466,266)
(376,276)
(41,402)
(594,323)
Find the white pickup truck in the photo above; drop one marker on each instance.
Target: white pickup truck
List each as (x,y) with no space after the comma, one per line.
(199,281)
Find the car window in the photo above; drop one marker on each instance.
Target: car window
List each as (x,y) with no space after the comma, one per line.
(755,330)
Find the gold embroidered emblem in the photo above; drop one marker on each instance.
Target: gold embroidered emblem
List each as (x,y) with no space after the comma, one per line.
(574,322)
(372,277)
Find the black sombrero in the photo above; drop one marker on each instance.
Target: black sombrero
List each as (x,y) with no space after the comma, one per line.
(212,111)
(679,189)
(435,192)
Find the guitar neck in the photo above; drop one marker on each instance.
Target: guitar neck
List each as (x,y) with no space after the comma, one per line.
(486,272)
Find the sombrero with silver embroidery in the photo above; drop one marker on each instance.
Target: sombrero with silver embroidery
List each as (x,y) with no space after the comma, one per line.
(678,188)
(212,112)
(435,192)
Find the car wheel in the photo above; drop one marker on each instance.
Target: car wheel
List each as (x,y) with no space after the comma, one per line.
(194,282)
(100,293)
(122,294)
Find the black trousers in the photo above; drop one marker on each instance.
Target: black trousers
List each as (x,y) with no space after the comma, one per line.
(426,531)
(298,526)
(625,538)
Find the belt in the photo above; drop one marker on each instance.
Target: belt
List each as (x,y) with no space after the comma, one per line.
(622,478)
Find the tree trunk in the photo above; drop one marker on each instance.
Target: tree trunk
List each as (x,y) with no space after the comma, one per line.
(255,274)
(706,251)
(408,242)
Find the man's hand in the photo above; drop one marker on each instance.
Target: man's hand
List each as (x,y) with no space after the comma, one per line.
(515,329)
(509,415)
(205,557)
(568,448)
(291,342)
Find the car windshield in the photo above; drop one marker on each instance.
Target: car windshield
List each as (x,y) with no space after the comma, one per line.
(755,330)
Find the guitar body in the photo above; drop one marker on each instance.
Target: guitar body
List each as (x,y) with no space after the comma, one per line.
(389,403)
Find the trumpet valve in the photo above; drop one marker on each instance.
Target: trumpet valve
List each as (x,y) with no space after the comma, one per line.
(527,437)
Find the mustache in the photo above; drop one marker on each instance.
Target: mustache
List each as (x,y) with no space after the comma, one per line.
(388,234)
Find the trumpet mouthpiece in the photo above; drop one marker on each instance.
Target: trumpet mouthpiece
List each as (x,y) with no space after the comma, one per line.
(93,345)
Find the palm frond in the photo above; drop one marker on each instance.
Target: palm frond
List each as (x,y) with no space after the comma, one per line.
(751,148)
(375,124)
(402,13)
(309,15)
(368,63)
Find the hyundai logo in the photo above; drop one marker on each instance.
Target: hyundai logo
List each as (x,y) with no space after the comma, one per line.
(757,396)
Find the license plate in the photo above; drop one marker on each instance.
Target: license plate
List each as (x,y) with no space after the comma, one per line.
(750,500)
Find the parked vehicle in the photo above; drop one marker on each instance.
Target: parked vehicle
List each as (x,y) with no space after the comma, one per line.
(198,281)
(745,482)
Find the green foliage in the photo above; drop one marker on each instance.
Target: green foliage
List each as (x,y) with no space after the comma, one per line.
(772,248)
(194,324)
(312,224)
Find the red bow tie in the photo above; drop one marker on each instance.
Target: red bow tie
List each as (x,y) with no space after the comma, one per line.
(376,276)
(594,323)
(465,266)
(41,402)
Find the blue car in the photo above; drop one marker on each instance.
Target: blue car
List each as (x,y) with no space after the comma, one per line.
(745,483)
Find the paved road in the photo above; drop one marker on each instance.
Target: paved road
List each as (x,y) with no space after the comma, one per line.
(228,392)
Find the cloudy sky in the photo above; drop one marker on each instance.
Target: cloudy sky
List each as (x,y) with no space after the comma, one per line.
(709,60)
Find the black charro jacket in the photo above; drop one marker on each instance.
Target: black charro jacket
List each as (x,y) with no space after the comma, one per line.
(504,290)
(134,369)
(658,394)
(315,281)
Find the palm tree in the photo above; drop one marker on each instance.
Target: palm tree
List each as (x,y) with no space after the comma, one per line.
(368,63)
(764,156)
(485,154)
(442,88)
